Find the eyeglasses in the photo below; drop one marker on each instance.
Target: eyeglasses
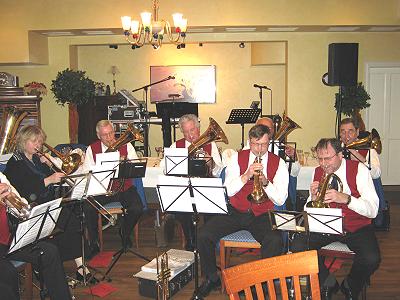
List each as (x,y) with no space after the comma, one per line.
(322,159)
(262,145)
(108,134)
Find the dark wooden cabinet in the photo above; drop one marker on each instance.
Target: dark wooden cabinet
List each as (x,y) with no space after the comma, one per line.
(90,114)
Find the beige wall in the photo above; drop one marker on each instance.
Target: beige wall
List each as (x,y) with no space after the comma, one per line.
(309,102)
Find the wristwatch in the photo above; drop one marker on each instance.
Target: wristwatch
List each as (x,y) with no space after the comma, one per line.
(348,199)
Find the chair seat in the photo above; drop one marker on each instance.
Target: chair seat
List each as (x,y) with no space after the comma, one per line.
(243,236)
(17,264)
(337,249)
(113,205)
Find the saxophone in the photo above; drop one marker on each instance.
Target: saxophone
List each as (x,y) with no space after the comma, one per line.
(323,186)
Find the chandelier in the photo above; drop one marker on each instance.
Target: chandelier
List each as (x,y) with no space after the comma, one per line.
(153,31)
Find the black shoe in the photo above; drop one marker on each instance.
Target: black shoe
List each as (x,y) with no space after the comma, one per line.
(89,277)
(328,291)
(207,286)
(346,290)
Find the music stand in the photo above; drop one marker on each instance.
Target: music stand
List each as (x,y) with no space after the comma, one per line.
(243,116)
(195,195)
(325,220)
(39,225)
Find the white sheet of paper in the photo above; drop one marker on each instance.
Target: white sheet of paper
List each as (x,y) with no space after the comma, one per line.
(325,216)
(175,195)
(176,161)
(98,184)
(24,237)
(108,161)
(281,218)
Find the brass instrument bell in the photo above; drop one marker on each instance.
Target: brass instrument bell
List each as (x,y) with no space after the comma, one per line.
(323,186)
(11,118)
(372,141)
(70,162)
(287,126)
(131,134)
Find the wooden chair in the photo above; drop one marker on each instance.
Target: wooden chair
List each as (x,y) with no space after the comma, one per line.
(338,250)
(243,277)
(25,270)
(116,208)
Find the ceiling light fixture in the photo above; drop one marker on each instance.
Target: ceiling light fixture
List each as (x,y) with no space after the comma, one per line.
(152,31)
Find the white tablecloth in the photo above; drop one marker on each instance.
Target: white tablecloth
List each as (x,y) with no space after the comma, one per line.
(303,180)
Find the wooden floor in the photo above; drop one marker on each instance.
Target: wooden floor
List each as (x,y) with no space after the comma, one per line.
(385,283)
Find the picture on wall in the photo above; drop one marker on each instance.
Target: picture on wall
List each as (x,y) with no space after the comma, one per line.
(195,84)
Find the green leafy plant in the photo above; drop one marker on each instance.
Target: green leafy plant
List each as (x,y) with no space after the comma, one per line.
(354,98)
(73,87)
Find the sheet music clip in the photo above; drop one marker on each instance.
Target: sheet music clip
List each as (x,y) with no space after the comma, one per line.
(325,220)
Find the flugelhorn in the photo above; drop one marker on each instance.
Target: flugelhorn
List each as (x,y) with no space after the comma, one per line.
(11,118)
(214,133)
(323,186)
(131,134)
(258,195)
(17,207)
(70,162)
(372,141)
(287,126)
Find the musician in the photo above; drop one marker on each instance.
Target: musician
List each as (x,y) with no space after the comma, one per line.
(126,195)
(190,127)
(32,177)
(245,214)
(359,204)
(50,265)
(349,133)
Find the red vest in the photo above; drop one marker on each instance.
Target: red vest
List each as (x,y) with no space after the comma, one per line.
(363,152)
(352,220)
(181,144)
(239,200)
(123,151)
(4,228)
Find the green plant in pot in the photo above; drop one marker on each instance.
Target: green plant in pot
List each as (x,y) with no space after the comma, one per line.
(354,99)
(76,89)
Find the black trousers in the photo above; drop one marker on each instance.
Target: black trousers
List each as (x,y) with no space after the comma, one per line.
(129,199)
(8,281)
(362,242)
(219,226)
(45,258)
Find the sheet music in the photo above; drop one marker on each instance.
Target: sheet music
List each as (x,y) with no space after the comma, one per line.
(108,161)
(285,221)
(99,181)
(28,230)
(176,161)
(325,220)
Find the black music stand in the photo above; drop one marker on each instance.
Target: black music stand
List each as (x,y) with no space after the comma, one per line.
(194,195)
(243,116)
(40,224)
(134,168)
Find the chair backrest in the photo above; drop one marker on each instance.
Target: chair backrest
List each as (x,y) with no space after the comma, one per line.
(138,182)
(243,277)
(60,147)
(2,167)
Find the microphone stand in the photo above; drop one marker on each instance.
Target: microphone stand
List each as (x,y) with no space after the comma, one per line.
(146,114)
(261,97)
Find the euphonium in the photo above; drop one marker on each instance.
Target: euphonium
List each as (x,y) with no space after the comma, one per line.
(163,275)
(131,134)
(258,195)
(11,119)
(17,207)
(70,162)
(323,186)
(286,127)
(214,133)
(372,141)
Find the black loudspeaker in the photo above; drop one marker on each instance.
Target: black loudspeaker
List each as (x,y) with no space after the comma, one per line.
(343,64)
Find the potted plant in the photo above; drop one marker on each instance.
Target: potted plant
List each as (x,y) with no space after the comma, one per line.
(354,99)
(75,89)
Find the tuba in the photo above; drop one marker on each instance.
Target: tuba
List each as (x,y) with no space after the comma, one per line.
(11,119)
(287,126)
(258,195)
(372,141)
(163,275)
(214,133)
(70,162)
(324,185)
(131,134)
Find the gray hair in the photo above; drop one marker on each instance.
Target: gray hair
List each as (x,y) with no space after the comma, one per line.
(102,123)
(258,131)
(188,118)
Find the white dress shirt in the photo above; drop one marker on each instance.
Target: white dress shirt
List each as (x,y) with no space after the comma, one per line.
(375,164)
(277,191)
(368,202)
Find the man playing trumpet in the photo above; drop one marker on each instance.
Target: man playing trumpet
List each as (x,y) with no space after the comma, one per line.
(359,204)
(241,172)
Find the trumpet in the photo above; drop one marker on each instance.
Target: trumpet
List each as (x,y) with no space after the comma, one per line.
(258,195)
(323,186)
(17,207)
(163,275)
